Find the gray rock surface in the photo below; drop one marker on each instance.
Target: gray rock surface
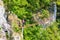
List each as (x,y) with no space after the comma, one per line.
(5,28)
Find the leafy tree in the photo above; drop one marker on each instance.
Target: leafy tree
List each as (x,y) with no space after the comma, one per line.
(39,33)
(23,7)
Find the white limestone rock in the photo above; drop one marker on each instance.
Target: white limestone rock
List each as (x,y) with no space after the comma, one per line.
(2,35)
(16,36)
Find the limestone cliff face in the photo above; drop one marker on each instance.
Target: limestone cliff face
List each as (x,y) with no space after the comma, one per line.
(12,18)
(15,22)
(3,23)
(5,28)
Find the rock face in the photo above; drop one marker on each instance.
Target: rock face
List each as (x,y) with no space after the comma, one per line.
(5,28)
(2,35)
(3,23)
(16,36)
(14,21)
(12,18)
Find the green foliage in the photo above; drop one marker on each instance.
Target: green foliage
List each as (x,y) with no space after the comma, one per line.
(58,2)
(24,9)
(45,13)
(15,27)
(39,33)
(34,4)
(46,2)
(32,33)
